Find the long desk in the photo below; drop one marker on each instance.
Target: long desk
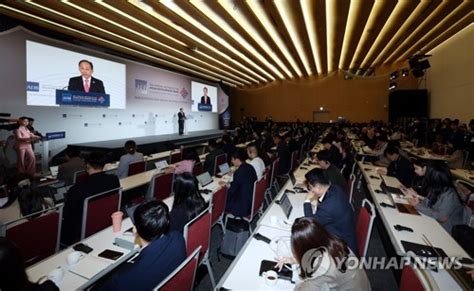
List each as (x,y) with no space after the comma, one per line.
(421,225)
(99,242)
(463,174)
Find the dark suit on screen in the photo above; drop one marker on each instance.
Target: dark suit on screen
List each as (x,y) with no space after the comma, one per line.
(205,100)
(77,84)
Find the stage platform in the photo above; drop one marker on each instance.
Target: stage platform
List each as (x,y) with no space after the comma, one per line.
(149,144)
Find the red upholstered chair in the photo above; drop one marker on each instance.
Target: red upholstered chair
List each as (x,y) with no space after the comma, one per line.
(198,169)
(273,180)
(364,225)
(218,202)
(37,238)
(294,161)
(97,211)
(257,201)
(161,186)
(80,176)
(136,168)
(182,278)
(410,280)
(219,160)
(175,157)
(197,233)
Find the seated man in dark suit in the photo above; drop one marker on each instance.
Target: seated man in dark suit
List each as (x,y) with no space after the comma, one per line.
(239,195)
(332,172)
(73,164)
(283,153)
(336,156)
(205,99)
(97,182)
(399,166)
(85,82)
(214,151)
(333,209)
(162,251)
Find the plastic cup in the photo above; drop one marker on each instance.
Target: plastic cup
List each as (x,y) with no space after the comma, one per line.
(117,221)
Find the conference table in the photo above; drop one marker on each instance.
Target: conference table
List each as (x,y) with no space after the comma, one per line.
(421,152)
(463,174)
(91,268)
(421,224)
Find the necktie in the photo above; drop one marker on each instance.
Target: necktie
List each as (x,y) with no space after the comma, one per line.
(86,86)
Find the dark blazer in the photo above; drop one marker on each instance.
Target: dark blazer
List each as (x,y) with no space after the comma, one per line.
(210,160)
(204,101)
(181,116)
(285,158)
(336,157)
(402,170)
(74,202)
(239,195)
(154,263)
(335,177)
(336,215)
(76,84)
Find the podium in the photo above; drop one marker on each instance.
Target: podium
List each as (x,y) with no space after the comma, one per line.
(77,98)
(204,107)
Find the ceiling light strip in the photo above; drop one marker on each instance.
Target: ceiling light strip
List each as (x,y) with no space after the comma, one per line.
(148,9)
(250,29)
(126,39)
(310,23)
(63,27)
(121,13)
(217,19)
(183,14)
(259,12)
(283,9)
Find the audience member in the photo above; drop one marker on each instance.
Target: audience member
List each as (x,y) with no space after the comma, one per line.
(323,259)
(239,195)
(256,162)
(399,166)
(162,251)
(332,172)
(210,162)
(97,182)
(335,155)
(131,156)
(73,164)
(283,154)
(334,211)
(187,203)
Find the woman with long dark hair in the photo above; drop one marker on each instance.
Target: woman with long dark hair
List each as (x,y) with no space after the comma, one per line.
(12,271)
(188,202)
(325,260)
(442,202)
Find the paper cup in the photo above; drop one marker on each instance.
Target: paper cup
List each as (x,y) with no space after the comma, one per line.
(117,221)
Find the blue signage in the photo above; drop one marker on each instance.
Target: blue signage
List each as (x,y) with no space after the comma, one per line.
(55,135)
(32,86)
(76,98)
(204,107)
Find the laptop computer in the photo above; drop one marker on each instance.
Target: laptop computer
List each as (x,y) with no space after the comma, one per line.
(131,210)
(58,197)
(54,171)
(224,169)
(204,179)
(161,165)
(285,205)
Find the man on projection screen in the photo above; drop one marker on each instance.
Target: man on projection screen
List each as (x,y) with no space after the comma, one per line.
(85,82)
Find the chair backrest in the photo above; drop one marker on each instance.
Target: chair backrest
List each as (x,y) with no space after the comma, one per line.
(219,160)
(410,280)
(197,233)
(364,226)
(175,157)
(198,169)
(219,200)
(80,176)
(37,238)
(136,168)
(162,185)
(302,151)
(98,210)
(465,159)
(182,278)
(275,168)
(266,174)
(294,160)
(258,196)
(350,186)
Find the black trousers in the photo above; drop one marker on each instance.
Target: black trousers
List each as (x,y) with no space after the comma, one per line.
(181,126)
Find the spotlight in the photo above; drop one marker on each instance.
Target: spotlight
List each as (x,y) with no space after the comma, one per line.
(405,72)
(394,75)
(392,86)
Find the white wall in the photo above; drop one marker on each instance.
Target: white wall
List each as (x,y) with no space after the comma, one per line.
(450,80)
(142,117)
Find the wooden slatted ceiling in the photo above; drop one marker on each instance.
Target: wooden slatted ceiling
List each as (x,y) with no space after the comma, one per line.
(254,42)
